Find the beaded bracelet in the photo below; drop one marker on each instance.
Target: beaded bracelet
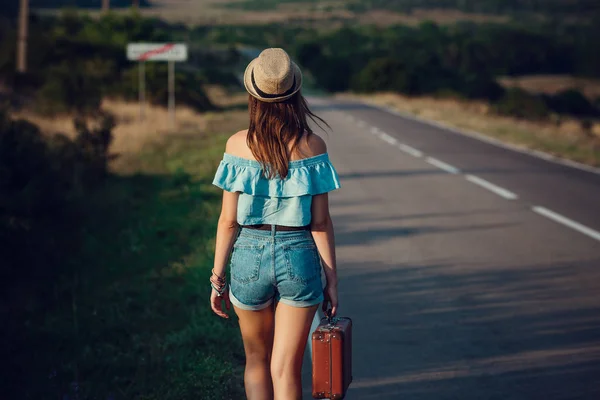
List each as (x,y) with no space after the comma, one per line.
(219,291)
(218,283)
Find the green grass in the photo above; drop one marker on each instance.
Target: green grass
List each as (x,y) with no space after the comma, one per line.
(133,320)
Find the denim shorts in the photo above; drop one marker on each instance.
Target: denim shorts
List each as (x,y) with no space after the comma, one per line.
(266,265)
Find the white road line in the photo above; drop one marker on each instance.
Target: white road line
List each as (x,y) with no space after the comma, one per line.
(568,222)
(410,150)
(491,187)
(361,124)
(387,138)
(374,131)
(488,139)
(442,165)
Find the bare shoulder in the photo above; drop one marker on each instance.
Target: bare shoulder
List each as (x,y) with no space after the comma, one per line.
(316,145)
(236,144)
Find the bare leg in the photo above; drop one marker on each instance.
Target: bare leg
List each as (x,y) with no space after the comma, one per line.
(292,325)
(257,335)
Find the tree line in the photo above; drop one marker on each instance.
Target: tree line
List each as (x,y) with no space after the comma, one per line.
(464,59)
(547,8)
(74,61)
(559,8)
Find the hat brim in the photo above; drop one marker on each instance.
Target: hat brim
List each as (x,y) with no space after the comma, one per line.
(250,88)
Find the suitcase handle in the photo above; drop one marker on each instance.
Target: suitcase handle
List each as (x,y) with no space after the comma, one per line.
(330,320)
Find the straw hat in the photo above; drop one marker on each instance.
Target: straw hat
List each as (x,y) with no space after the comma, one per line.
(272,76)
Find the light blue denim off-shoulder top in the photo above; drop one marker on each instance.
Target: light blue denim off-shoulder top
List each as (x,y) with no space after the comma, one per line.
(276,201)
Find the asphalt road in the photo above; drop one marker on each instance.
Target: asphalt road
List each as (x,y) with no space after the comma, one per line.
(471,271)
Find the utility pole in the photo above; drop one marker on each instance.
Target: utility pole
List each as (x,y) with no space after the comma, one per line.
(22,36)
(105,6)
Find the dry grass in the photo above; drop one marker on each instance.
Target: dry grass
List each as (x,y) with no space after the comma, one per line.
(550,84)
(223,16)
(566,139)
(295,12)
(131,134)
(385,18)
(319,15)
(225,98)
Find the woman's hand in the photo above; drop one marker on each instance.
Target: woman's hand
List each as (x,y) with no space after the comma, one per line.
(216,302)
(330,294)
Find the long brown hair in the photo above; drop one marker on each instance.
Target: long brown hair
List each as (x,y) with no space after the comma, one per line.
(273,126)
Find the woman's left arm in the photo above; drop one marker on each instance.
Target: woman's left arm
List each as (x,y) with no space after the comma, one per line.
(227,230)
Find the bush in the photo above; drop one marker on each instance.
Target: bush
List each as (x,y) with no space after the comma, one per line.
(39,179)
(481,86)
(384,74)
(572,102)
(519,103)
(188,87)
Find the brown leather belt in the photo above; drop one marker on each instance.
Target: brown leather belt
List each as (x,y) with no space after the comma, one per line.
(267,227)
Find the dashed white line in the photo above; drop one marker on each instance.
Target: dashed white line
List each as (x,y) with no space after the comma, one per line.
(410,150)
(507,194)
(568,222)
(488,139)
(387,138)
(491,187)
(442,165)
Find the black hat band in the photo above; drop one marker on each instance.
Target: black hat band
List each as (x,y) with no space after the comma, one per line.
(272,96)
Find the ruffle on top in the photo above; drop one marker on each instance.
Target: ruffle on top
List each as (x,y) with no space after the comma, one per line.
(309,176)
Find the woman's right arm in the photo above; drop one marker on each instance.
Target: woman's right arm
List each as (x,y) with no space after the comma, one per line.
(321,227)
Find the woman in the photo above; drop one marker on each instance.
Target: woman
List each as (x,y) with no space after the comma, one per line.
(278,230)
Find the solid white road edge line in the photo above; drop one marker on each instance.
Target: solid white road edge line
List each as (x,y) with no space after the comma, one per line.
(410,150)
(491,187)
(442,165)
(568,222)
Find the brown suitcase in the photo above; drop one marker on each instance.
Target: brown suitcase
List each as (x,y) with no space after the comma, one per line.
(332,358)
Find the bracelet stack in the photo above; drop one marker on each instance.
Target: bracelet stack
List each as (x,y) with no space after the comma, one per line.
(218,283)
